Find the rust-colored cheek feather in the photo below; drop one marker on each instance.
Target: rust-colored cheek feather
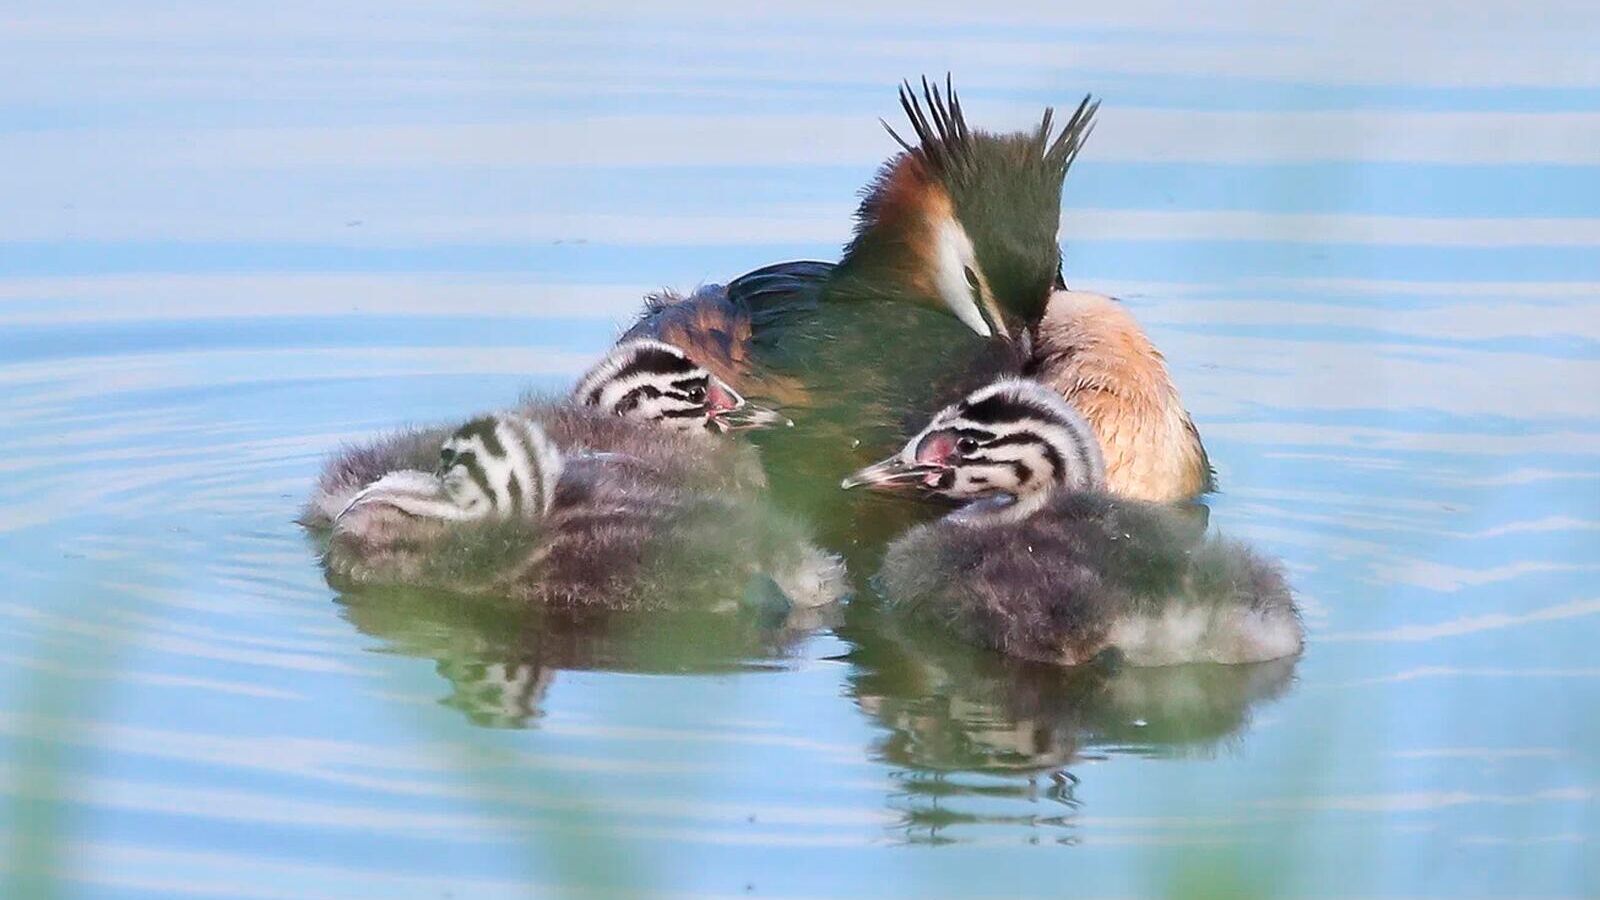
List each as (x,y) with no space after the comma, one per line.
(897,224)
(1093,352)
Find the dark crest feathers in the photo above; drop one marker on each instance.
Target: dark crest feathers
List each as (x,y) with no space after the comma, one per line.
(945,143)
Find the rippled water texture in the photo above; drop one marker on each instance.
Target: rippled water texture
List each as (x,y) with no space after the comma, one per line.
(238,234)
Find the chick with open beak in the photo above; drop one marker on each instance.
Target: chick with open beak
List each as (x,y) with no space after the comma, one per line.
(657,384)
(1041,563)
(921,464)
(727,410)
(1012,440)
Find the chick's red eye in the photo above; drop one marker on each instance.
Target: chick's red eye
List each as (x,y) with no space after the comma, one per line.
(966,445)
(697,395)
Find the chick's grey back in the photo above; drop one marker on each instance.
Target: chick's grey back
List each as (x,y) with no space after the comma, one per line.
(640,518)
(1054,586)
(1027,587)
(623,533)
(576,430)
(632,533)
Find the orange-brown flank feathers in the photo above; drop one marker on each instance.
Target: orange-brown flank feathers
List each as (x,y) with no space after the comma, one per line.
(1090,349)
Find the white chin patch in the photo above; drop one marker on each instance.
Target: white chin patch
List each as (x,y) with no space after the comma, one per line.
(954,254)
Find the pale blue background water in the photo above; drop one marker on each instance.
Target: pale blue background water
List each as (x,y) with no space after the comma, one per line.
(235,234)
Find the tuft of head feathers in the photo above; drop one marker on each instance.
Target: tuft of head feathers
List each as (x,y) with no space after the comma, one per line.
(952,151)
(967,217)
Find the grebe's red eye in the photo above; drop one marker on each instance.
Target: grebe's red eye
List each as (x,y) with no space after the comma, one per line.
(966,446)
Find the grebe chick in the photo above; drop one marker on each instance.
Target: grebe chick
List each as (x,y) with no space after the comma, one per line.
(1090,349)
(645,399)
(657,384)
(1042,564)
(581,507)
(498,466)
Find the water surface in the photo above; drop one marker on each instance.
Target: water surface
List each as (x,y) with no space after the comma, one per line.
(237,235)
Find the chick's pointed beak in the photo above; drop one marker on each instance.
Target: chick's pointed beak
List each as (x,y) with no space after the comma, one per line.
(750,416)
(727,411)
(894,473)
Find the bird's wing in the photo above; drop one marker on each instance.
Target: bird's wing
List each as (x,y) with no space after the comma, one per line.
(727,327)
(775,295)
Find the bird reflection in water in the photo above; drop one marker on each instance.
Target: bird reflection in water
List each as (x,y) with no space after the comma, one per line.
(971,734)
(500,659)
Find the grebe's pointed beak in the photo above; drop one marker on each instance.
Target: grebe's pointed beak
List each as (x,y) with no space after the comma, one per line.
(891,474)
(969,315)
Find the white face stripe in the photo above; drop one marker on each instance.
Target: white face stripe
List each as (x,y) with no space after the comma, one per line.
(525,445)
(477,499)
(1082,465)
(632,382)
(953,255)
(615,390)
(418,493)
(1064,428)
(1051,438)
(474,481)
(615,361)
(519,479)
(1061,238)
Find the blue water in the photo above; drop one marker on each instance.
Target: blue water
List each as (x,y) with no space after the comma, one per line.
(236,235)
